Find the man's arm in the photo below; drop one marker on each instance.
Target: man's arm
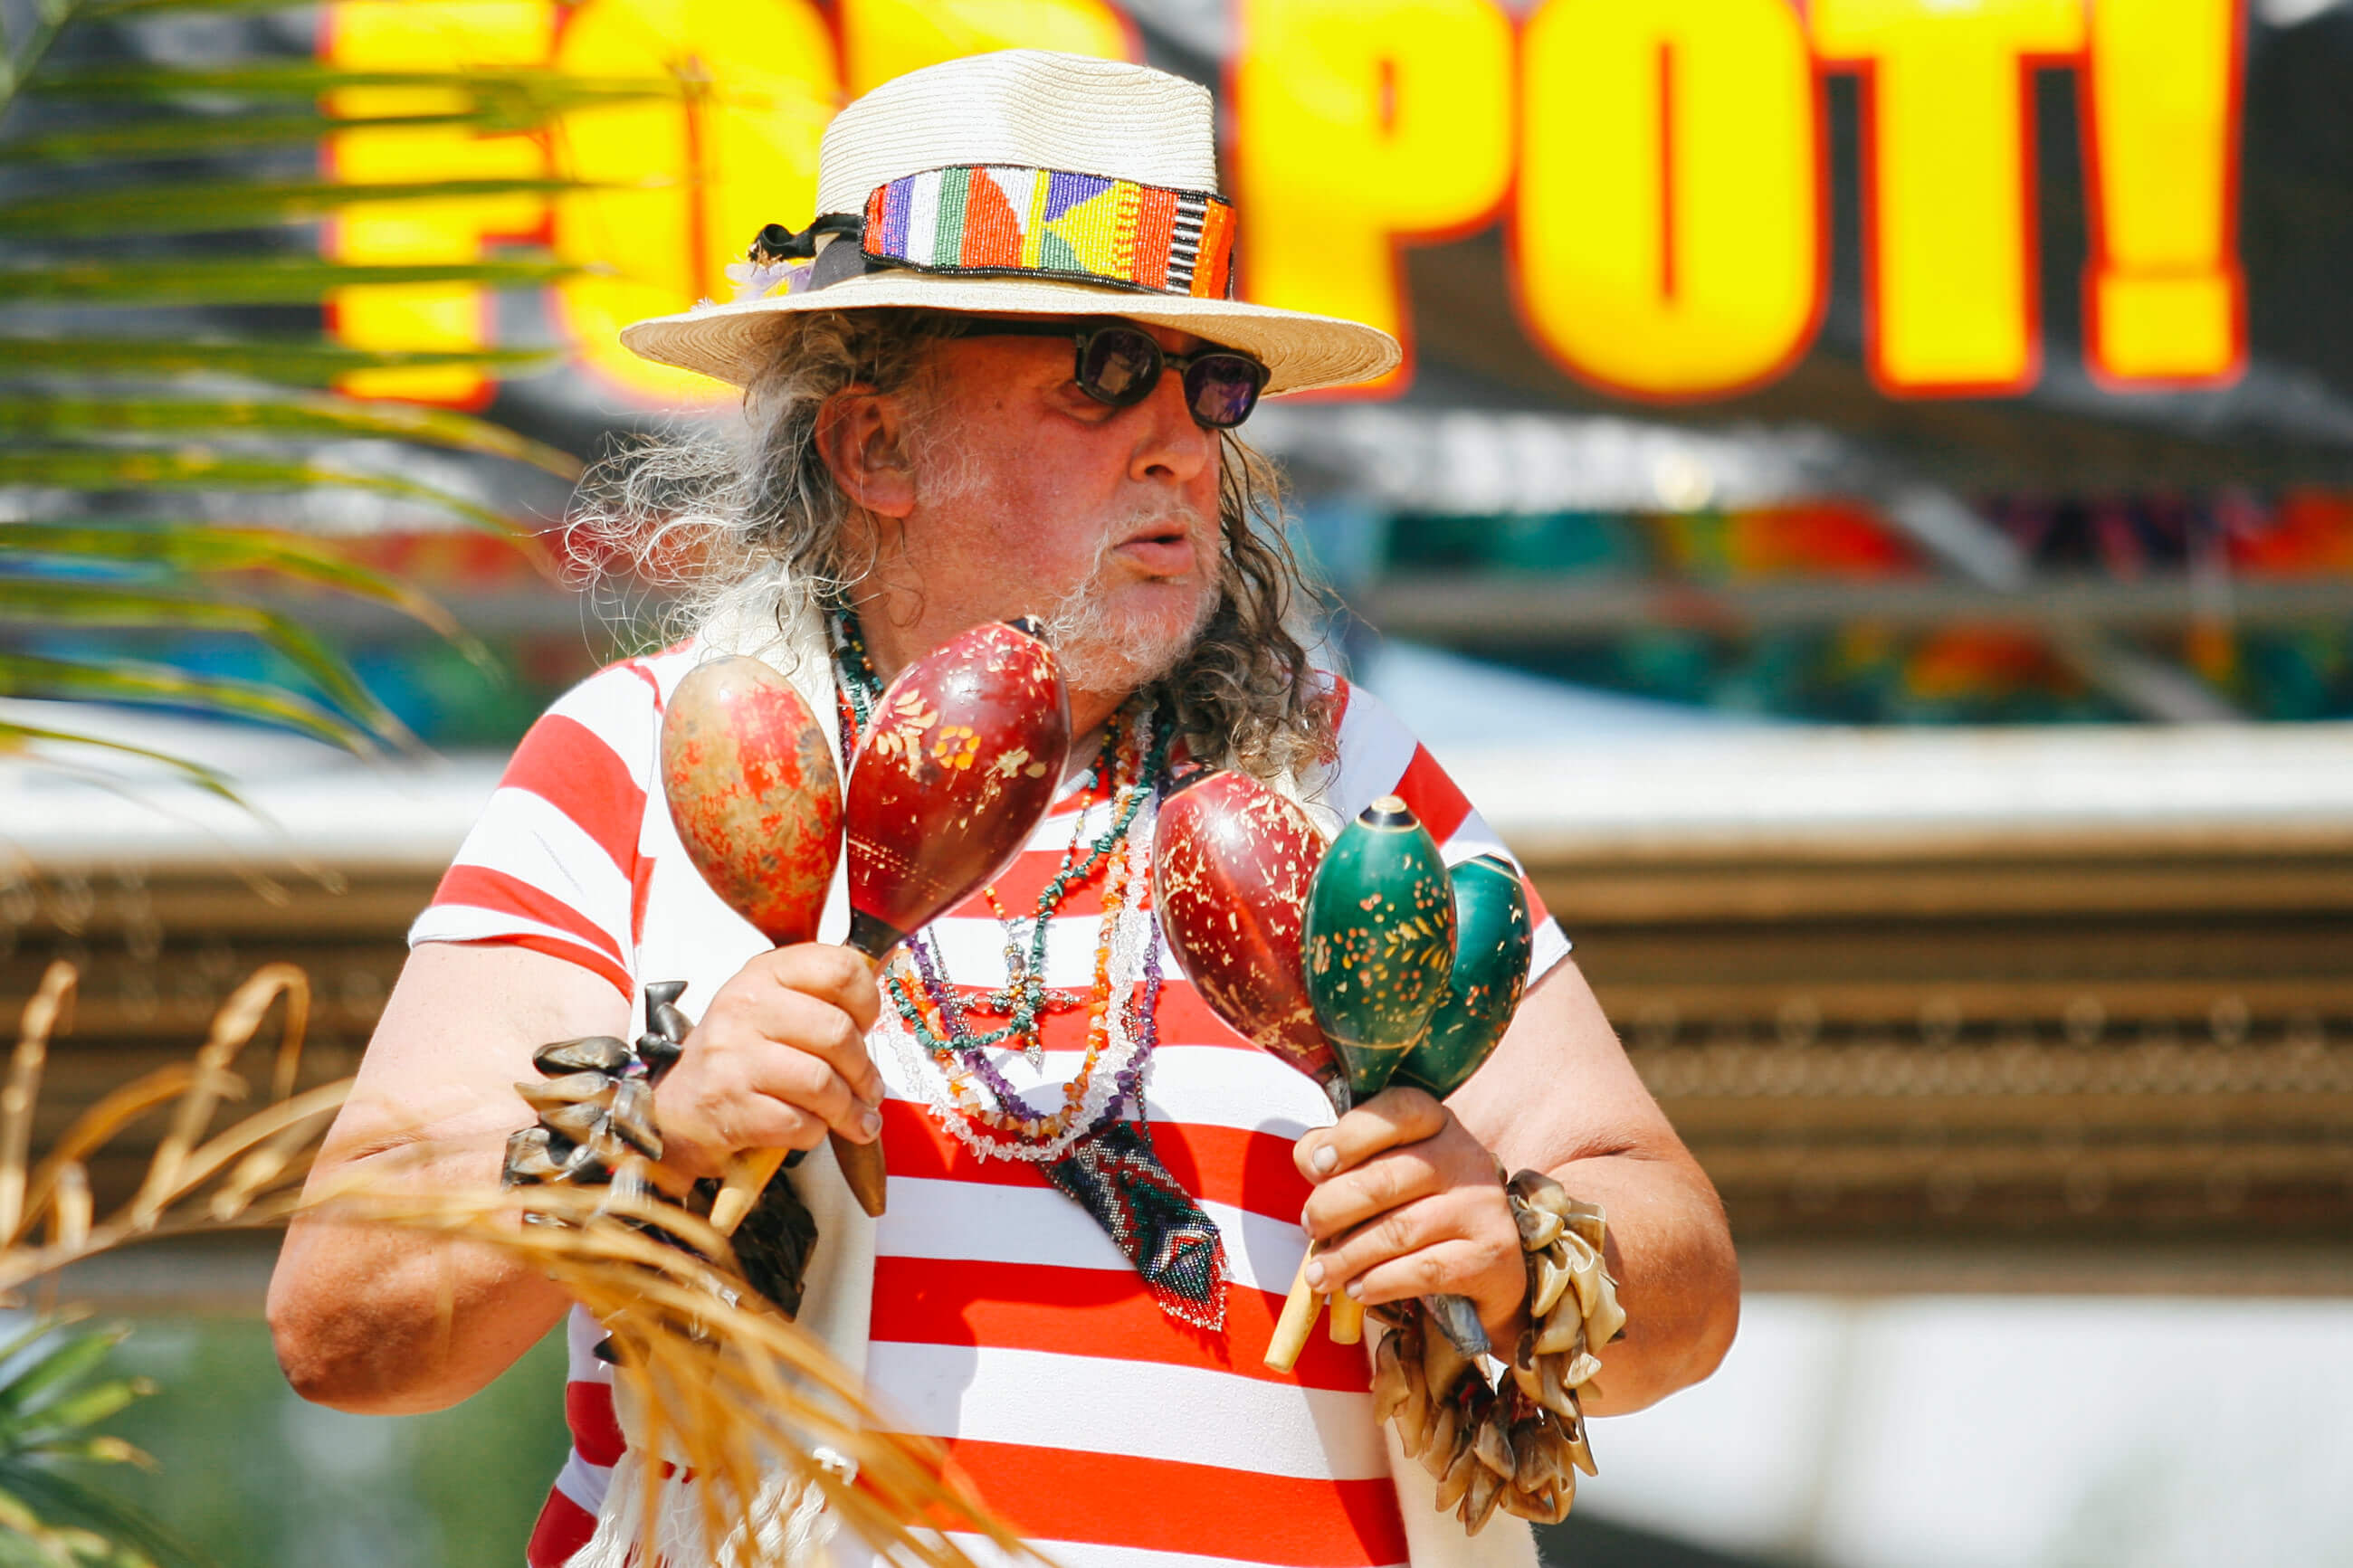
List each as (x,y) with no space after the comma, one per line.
(1411,1186)
(388,1320)
(385,1320)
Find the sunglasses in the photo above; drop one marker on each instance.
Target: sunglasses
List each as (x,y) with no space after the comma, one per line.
(1120,364)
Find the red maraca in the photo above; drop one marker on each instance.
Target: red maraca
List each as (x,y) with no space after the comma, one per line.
(1231,863)
(754,794)
(957,767)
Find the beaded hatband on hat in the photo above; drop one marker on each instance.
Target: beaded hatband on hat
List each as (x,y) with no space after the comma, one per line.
(1051,223)
(1017,183)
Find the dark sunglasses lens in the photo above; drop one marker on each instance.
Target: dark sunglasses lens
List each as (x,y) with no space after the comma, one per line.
(1222,389)
(1120,365)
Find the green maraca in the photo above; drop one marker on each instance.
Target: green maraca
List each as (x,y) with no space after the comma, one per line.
(1379,942)
(1493,946)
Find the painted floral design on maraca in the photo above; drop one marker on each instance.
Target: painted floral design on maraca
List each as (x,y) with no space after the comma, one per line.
(1493,945)
(1380,941)
(1232,861)
(925,795)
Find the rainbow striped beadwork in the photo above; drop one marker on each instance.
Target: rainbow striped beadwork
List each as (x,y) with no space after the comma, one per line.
(1003,220)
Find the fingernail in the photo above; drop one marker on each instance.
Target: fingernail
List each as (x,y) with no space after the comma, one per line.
(871,1122)
(1315,1276)
(1354,1289)
(1324,1159)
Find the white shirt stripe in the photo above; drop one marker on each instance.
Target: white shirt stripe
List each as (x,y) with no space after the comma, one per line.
(1101,1406)
(930,1217)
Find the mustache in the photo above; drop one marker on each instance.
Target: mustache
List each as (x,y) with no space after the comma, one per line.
(1103,649)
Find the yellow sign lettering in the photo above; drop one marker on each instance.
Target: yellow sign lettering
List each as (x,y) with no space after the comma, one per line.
(885,38)
(2166,305)
(1360,123)
(1668,225)
(436,36)
(678,188)
(1949,224)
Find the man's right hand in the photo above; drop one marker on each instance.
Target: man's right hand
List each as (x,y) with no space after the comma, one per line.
(778,1060)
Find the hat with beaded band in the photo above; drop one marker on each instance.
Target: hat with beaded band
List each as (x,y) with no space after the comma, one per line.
(1018,184)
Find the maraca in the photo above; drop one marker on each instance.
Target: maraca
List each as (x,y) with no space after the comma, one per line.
(1231,863)
(753,792)
(956,769)
(1493,946)
(1380,943)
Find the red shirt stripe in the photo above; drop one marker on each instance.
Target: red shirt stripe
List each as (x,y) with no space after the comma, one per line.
(596,1430)
(564,1528)
(563,761)
(596,963)
(1090,1312)
(1436,801)
(1161,1505)
(478,886)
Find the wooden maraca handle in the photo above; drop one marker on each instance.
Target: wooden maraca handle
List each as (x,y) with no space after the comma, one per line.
(749,1175)
(1299,1310)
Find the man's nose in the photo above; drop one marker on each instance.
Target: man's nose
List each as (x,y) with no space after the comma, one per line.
(1172,447)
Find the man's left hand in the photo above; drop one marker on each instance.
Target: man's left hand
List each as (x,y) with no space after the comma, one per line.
(1410,1204)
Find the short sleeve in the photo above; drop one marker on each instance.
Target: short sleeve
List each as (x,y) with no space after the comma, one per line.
(554,863)
(1378,756)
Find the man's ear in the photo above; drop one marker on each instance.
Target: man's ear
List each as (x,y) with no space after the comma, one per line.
(862,435)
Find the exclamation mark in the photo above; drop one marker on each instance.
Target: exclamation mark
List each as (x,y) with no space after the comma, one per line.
(2164,301)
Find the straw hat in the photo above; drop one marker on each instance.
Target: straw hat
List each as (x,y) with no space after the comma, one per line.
(1018,184)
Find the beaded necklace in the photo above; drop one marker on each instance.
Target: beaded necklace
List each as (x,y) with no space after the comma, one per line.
(965,1088)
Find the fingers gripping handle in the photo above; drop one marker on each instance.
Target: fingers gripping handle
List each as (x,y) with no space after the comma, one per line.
(862,1169)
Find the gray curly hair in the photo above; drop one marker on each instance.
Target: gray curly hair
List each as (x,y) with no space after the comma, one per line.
(724,520)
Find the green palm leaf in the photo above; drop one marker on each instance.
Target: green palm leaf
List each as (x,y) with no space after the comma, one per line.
(54,1389)
(193,208)
(248,280)
(201,550)
(203,469)
(161,685)
(198,135)
(67,417)
(296,362)
(14,736)
(31,602)
(88,418)
(547,91)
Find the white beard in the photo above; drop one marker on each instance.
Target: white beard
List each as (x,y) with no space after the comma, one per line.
(1101,650)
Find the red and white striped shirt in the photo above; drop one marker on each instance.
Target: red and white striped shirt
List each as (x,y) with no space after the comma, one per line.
(1005,1322)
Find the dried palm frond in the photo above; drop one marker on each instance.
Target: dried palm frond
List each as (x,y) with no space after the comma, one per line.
(727,1387)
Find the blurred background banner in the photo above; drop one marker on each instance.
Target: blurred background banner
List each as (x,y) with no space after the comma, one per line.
(1868,514)
(1877,363)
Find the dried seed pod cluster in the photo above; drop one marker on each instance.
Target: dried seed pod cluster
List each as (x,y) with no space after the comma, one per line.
(595,1106)
(594,1101)
(1519,1444)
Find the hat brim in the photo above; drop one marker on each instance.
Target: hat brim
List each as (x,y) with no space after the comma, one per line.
(1302,352)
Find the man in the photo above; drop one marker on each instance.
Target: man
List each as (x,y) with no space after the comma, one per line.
(1007,383)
